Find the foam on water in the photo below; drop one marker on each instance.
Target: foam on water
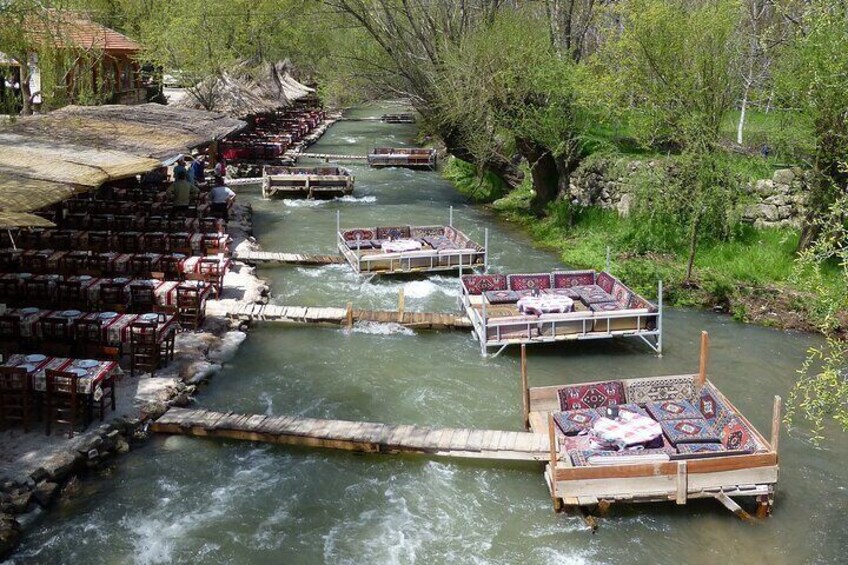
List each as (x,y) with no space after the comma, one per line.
(307,203)
(376,328)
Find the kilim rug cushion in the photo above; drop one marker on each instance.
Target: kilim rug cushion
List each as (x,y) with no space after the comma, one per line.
(572,422)
(569,279)
(501,296)
(672,410)
(478,284)
(690,430)
(528,282)
(594,395)
(658,389)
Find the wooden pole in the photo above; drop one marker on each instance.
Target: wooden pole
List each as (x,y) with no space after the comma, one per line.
(775,422)
(525,389)
(400,305)
(705,356)
(682,482)
(349,315)
(553,448)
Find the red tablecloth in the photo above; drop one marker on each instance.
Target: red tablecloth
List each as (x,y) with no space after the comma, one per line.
(90,379)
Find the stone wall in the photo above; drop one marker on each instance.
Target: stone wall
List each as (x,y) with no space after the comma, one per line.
(774,202)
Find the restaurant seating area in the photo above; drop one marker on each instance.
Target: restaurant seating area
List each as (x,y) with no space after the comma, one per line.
(109,287)
(406,157)
(408,249)
(271,134)
(558,306)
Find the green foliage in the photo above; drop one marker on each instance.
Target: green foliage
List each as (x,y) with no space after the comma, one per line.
(482,186)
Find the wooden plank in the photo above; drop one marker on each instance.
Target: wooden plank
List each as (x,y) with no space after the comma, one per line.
(460,439)
(475,440)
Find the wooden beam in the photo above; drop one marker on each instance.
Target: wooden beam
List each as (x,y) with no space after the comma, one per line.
(349,315)
(775,423)
(525,388)
(705,356)
(553,454)
(732,506)
(400,305)
(682,482)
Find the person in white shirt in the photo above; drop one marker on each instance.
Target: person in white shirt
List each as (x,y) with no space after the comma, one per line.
(220,198)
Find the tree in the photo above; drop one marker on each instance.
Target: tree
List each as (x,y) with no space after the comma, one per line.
(812,78)
(671,66)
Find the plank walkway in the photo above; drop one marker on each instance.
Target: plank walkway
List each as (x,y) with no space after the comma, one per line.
(339,316)
(367,437)
(329,156)
(280,258)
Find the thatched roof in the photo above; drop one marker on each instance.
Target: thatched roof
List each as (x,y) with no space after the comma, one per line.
(47,158)
(246,90)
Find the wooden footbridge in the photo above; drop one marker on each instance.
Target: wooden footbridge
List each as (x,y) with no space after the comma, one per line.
(271,258)
(327,156)
(299,315)
(365,437)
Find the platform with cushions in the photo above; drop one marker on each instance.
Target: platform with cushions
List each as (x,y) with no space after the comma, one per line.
(406,249)
(568,305)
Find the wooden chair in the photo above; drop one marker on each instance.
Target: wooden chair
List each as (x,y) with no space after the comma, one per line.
(102,263)
(170,268)
(74,263)
(10,334)
(56,336)
(99,241)
(61,240)
(156,242)
(11,290)
(64,404)
(142,265)
(145,349)
(211,244)
(70,294)
(210,271)
(15,396)
(30,239)
(113,297)
(90,342)
(77,221)
(142,298)
(10,260)
(37,292)
(190,311)
(102,222)
(129,242)
(179,243)
(156,224)
(208,225)
(34,262)
(176,225)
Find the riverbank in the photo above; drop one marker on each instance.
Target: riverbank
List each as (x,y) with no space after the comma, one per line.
(36,470)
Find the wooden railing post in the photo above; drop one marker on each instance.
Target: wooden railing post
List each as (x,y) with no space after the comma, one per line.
(349,315)
(525,388)
(775,422)
(553,449)
(705,356)
(400,305)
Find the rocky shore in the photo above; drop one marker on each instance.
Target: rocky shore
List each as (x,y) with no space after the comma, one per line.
(36,469)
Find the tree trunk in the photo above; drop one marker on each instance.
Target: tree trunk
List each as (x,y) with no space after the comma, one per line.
(741,126)
(502,168)
(545,173)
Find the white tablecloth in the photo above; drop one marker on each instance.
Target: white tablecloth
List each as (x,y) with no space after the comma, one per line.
(545,304)
(401,245)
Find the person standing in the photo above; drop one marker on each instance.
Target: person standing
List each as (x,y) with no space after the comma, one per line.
(180,167)
(182,194)
(221,168)
(199,168)
(220,198)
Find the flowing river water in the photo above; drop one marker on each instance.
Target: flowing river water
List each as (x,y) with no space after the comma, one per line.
(186,500)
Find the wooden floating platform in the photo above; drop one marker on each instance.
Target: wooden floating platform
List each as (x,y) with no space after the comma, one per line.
(343,316)
(365,437)
(328,156)
(279,258)
(306,182)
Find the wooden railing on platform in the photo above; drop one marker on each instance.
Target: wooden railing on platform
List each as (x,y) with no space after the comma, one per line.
(364,437)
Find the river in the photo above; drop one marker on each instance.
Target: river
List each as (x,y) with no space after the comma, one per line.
(186,500)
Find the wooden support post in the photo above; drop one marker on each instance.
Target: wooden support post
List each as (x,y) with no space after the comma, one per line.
(553,451)
(400,305)
(682,482)
(775,422)
(705,356)
(525,388)
(732,506)
(349,315)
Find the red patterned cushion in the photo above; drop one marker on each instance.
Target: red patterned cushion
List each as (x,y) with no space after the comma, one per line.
(501,296)
(593,294)
(574,421)
(567,292)
(478,284)
(604,307)
(566,279)
(621,294)
(735,435)
(672,410)
(393,232)
(689,430)
(605,281)
(595,395)
(353,235)
(529,282)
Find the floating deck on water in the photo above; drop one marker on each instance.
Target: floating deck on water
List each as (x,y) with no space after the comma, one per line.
(327,156)
(279,258)
(366,437)
(306,182)
(343,316)
(406,157)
